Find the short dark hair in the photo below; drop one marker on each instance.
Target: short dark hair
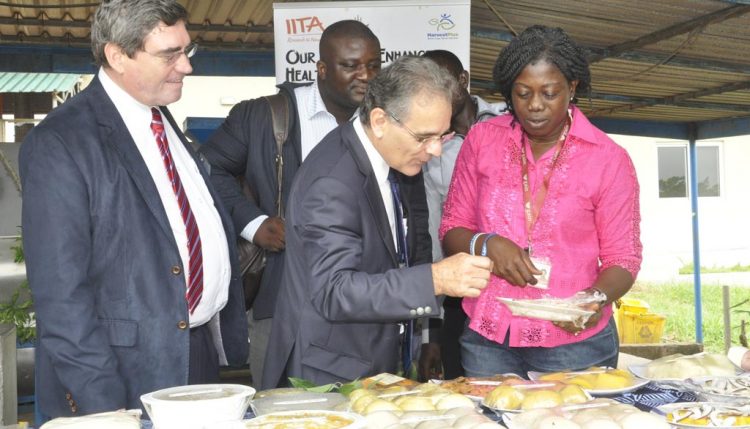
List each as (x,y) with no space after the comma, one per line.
(348,29)
(126,23)
(396,85)
(446,59)
(541,43)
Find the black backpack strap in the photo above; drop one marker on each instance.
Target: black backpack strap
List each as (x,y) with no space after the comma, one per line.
(282,122)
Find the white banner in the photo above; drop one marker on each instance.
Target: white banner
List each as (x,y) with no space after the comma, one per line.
(403,27)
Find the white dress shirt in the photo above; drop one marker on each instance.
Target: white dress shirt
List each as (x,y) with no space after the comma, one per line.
(216,266)
(381,169)
(315,121)
(438,172)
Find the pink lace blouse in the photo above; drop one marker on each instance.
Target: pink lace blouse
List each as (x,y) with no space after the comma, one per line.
(590,219)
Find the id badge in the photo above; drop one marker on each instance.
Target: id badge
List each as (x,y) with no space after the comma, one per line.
(545,266)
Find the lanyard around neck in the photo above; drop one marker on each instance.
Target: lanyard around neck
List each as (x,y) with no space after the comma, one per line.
(533,206)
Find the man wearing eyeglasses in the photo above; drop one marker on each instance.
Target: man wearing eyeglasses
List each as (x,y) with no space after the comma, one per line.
(347,284)
(245,146)
(127,248)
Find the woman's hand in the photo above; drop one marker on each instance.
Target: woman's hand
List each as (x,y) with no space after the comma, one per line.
(511,262)
(596,307)
(590,323)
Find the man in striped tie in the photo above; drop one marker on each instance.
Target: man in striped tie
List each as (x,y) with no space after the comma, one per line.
(129,252)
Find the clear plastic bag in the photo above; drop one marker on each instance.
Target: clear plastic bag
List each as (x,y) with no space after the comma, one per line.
(557,309)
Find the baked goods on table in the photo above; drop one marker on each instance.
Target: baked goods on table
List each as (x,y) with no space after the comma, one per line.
(707,414)
(423,397)
(599,414)
(476,387)
(402,404)
(514,395)
(381,401)
(680,367)
(594,378)
(598,381)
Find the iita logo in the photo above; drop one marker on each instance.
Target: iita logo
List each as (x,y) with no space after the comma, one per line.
(304,25)
(444,23)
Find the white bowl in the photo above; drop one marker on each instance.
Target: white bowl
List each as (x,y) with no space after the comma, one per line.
(196,406)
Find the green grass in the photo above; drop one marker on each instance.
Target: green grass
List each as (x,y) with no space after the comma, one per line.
(676,301)
(737,268)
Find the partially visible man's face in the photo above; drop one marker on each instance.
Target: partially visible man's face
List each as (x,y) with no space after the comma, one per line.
(429,118)
(344,72)
(154,75)
(461,77)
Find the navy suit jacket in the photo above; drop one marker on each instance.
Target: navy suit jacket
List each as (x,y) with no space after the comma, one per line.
(103,265)
(342,294)
(244,145)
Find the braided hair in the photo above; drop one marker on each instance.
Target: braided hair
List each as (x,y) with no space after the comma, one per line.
(541,43)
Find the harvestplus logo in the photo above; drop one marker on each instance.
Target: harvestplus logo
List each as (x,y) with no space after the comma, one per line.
(443,26)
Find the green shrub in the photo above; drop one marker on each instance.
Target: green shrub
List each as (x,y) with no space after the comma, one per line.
(19,313)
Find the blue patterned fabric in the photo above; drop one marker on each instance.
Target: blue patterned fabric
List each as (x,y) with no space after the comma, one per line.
(651,396)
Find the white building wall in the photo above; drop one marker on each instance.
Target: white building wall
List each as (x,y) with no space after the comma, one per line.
(214,96)
(666,223)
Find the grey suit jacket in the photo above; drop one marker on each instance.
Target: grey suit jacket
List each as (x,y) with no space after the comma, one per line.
(341,295)
(103,265)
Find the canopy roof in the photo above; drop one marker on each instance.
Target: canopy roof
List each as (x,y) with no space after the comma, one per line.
(37,82)
(669,61)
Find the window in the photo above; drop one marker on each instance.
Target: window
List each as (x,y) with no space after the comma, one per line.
(673,168)
(708,171)
(672,172)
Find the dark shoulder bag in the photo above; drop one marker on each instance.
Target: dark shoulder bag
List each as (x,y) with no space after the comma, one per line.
(252,257)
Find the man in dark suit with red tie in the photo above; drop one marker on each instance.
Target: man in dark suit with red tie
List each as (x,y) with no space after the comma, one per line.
(128,251)
(346,285)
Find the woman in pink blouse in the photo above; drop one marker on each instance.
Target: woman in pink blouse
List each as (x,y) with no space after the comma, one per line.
(543,189)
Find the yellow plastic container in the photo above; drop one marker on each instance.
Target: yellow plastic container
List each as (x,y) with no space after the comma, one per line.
(633,305)
(640,328)
(630,305)
(636,325)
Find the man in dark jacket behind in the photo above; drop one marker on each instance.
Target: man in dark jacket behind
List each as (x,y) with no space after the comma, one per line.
(244,146)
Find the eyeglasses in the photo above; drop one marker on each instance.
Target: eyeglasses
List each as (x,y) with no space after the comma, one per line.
(170,57)
(422,140)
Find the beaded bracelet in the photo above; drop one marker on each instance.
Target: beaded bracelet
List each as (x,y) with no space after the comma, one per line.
(473,243)
(486,240)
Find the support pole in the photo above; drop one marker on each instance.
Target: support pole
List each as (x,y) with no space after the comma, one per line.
(692,155)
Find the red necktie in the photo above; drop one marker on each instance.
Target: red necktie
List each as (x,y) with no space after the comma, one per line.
(195,272)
